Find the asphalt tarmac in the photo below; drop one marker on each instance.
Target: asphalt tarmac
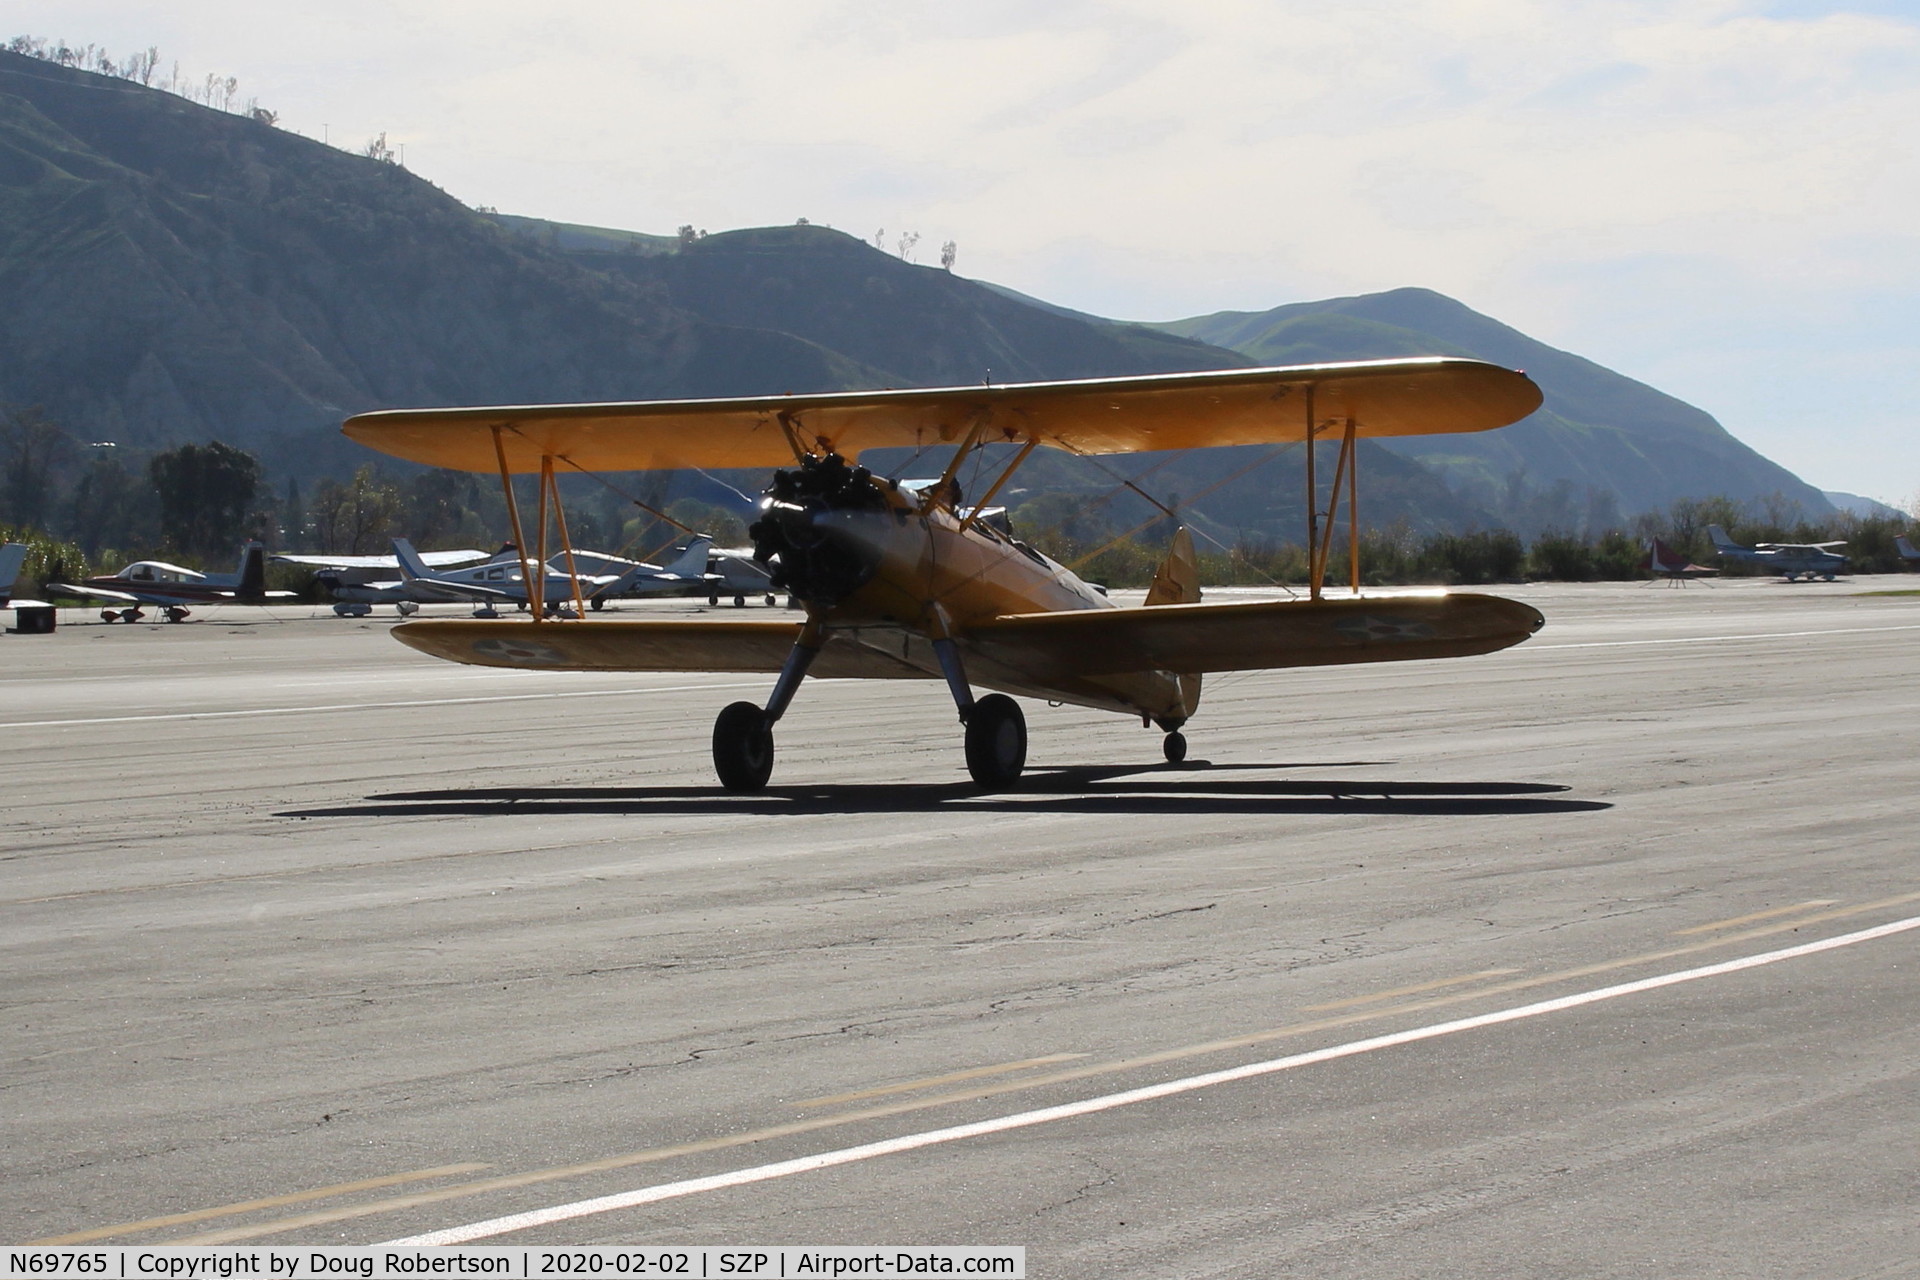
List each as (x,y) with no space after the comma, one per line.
(310,939)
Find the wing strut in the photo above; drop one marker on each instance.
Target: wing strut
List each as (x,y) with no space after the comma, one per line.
(1320,531)
(513,517)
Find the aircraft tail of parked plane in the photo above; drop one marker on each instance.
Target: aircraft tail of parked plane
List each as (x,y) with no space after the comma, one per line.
(1905,548)
(13,558)
(1664,562)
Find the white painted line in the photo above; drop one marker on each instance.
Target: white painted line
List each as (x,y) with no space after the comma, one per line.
(388,706)
(1073,1110)
(1760,635)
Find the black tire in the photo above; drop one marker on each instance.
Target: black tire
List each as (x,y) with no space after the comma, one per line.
(739,602)
(713,601)
(743,747)
(996,741)
(176,615)
(1175,747)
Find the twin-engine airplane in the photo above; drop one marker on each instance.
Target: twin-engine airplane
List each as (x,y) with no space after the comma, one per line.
(904,581)
(173,588)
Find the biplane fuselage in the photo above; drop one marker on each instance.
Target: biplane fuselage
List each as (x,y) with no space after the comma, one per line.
(937,573)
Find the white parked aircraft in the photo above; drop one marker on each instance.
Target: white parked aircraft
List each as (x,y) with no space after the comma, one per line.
(503,582)
(1789,559)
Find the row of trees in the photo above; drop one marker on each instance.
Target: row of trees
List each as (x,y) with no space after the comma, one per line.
(143,68)
(93,505)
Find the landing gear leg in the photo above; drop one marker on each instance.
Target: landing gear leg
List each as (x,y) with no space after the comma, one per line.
(743,733)
(996,738)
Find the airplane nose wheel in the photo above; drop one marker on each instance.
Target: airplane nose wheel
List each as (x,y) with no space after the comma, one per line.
(996,741)
(1175,747)
(743,747)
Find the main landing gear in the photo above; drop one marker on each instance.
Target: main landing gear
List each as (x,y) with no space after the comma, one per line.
(996,728)
(1175,746)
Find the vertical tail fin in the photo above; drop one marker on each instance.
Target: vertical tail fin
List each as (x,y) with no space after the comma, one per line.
(1721,542)
(13,558)
(251,581)
(692,562)
(411,565)
(1177,580)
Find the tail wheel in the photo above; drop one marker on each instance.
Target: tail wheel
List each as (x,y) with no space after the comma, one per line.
(1175,747)
(743,747)
(996,741)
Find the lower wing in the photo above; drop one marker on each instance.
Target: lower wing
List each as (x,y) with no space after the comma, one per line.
(658,644)
(1197,638)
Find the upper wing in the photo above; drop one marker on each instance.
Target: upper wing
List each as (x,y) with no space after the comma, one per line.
(1194,638)
(660,644)
(1422,396)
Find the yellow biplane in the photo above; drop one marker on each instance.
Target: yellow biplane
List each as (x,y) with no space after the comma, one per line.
(903,580)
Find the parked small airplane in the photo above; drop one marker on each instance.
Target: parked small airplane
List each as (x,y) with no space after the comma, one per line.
(1792,560)
(1664,562)
(502,582)
(1905,548)
(358,583)
(173,588)
(734,572)
(905,582)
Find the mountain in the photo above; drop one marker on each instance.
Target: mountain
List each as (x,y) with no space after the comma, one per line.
(1600,437)
(176,273)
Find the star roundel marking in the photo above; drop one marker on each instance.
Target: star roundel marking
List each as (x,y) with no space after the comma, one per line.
(519,653)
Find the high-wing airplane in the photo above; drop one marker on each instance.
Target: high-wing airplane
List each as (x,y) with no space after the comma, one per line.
(173,588)
(500,581)
(357,583)
(908,582)
(1791,560)
(1664,562)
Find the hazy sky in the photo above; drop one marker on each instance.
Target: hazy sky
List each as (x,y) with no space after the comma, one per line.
(1721,197)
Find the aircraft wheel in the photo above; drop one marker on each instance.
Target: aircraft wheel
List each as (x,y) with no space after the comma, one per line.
(597,603)
(713,601)
(1175,747)
(108,615)
(743,747)
(131,615)
(176,615)
(770,599)
(996,741)
(739,602)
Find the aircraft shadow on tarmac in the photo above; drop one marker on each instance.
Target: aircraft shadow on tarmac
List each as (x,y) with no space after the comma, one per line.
(1196,787)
